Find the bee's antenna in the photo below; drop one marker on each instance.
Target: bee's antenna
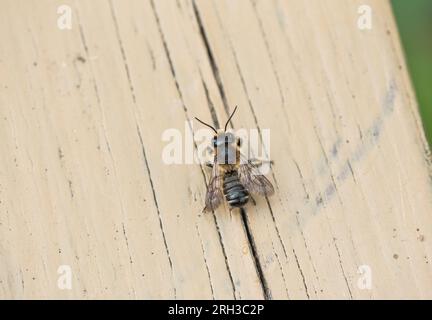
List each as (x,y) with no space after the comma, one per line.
(226,124)
(206,125)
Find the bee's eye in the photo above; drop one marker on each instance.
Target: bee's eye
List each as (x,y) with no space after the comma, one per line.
(229,137)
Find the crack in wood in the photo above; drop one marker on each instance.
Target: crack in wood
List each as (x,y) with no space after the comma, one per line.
(131,87)
(342,268)
(210,104)
(205,261)
(216,75)
(157,207)
(252,247)
(213,65)
(167,53)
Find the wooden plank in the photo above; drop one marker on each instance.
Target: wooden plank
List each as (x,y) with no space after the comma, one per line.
(83,183)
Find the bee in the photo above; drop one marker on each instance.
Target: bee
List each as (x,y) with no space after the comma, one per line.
(234,178)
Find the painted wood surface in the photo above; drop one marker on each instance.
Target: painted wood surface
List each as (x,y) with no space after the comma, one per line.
(83,185)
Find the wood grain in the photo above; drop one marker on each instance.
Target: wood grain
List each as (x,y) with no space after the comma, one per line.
(83,184)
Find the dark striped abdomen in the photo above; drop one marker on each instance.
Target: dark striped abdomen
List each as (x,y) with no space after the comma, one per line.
(235,194)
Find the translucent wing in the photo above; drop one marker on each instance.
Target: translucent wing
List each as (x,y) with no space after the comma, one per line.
(253,180)
(214,195)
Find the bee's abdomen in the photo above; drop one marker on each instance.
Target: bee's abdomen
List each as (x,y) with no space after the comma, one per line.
(235,193)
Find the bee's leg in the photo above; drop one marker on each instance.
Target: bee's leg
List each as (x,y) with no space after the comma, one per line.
(231,209)
(260,162)
(209,159)
(253,200)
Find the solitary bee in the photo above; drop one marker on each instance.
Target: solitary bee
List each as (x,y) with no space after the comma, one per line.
(233,177)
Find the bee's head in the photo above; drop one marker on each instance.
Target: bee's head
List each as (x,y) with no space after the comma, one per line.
(223,138)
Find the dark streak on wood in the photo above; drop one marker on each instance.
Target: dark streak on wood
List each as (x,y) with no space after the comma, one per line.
(22,281)
(142,144)
(301,273)
(70,188)
(168,56)
(269,54)
(127,242)
(218,81)
(246,91)
(178,4)
(342,268)
(225,255)
(213,65)
(352,171)
(282,273)
(126,65)
(329,192)
(331,188)
(368,140)
(297,166)
(284,249)
(259,130)
(95,86)
(210,104)
(252,247)
(81,31)
(308,252)
(302,179)
(157,206)
(60,153)
(96,89)
(152,57)
(276,227)
(205,261)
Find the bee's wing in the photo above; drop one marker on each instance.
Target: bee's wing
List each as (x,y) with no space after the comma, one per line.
(253,180)
(214,195)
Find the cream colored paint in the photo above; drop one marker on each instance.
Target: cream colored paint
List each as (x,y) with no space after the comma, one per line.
(83,184)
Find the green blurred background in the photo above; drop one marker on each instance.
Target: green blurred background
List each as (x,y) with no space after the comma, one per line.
(414,19)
